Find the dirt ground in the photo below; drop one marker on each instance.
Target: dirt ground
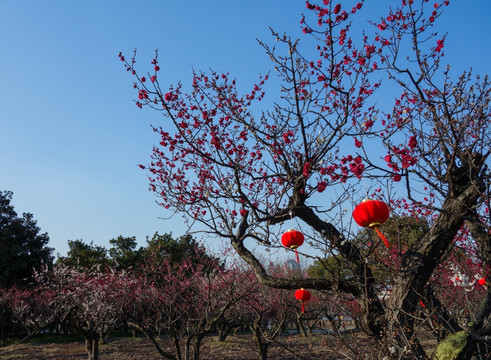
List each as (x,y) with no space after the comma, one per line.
(235,347)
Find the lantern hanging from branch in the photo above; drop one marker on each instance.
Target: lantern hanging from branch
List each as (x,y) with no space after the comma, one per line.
(371,214)
(293,239)
(302,295)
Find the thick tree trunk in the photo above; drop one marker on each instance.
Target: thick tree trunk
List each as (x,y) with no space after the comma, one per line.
(262,345)
(418,265)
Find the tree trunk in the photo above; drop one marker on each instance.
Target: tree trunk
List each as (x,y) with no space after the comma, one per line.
(263,351)
(28,337)
(261,344)
(92,346)
(3,328)
(104,337)
(223,330)
(300,326)
(197,347)
(187,348)
(177,346)
(418,265)
(156,345)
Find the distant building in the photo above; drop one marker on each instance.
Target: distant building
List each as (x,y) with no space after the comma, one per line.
(293,265)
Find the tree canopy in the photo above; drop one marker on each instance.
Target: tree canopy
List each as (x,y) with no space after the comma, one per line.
(22,247)
(84,256)
(124,253)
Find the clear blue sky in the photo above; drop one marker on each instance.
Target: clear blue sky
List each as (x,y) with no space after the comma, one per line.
(70,134)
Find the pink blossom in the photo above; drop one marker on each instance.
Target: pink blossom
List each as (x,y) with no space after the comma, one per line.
(337,9)
(306,169)
(439,45)
(357,167)
(168,96)
(412,142)
(358,143)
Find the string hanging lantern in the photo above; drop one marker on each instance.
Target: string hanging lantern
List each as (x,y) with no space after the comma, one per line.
(371,214)
(302,295)
(292,239)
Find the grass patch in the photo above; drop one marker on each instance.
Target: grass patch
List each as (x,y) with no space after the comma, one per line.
(56,339)
(9,341)
(12,356)
(226,343)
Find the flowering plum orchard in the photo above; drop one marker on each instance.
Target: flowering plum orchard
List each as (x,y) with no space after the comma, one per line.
(183,300)
(241,166)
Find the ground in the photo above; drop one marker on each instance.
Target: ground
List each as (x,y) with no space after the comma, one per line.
(235,347)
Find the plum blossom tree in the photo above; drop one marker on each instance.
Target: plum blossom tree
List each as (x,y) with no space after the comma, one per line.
(266,312)
(243,172)
(183,300)
(268,309)
(34,308)
(88,301)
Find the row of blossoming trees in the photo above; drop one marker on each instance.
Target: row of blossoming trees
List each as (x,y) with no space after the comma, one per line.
(243,168)
(182,301)
(183,298)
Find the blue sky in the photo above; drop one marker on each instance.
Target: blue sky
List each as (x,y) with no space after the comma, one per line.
(70,134)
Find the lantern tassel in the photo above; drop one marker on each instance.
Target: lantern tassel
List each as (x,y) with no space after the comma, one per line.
(303,308)
(382,236)
(296,254)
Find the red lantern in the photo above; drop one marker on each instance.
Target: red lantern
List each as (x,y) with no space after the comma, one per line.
(293,239)
(481,281)
(372,214)
(302,295)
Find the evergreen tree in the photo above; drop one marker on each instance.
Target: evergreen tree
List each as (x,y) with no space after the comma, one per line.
(84,256)
(124,254)
(22,247)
